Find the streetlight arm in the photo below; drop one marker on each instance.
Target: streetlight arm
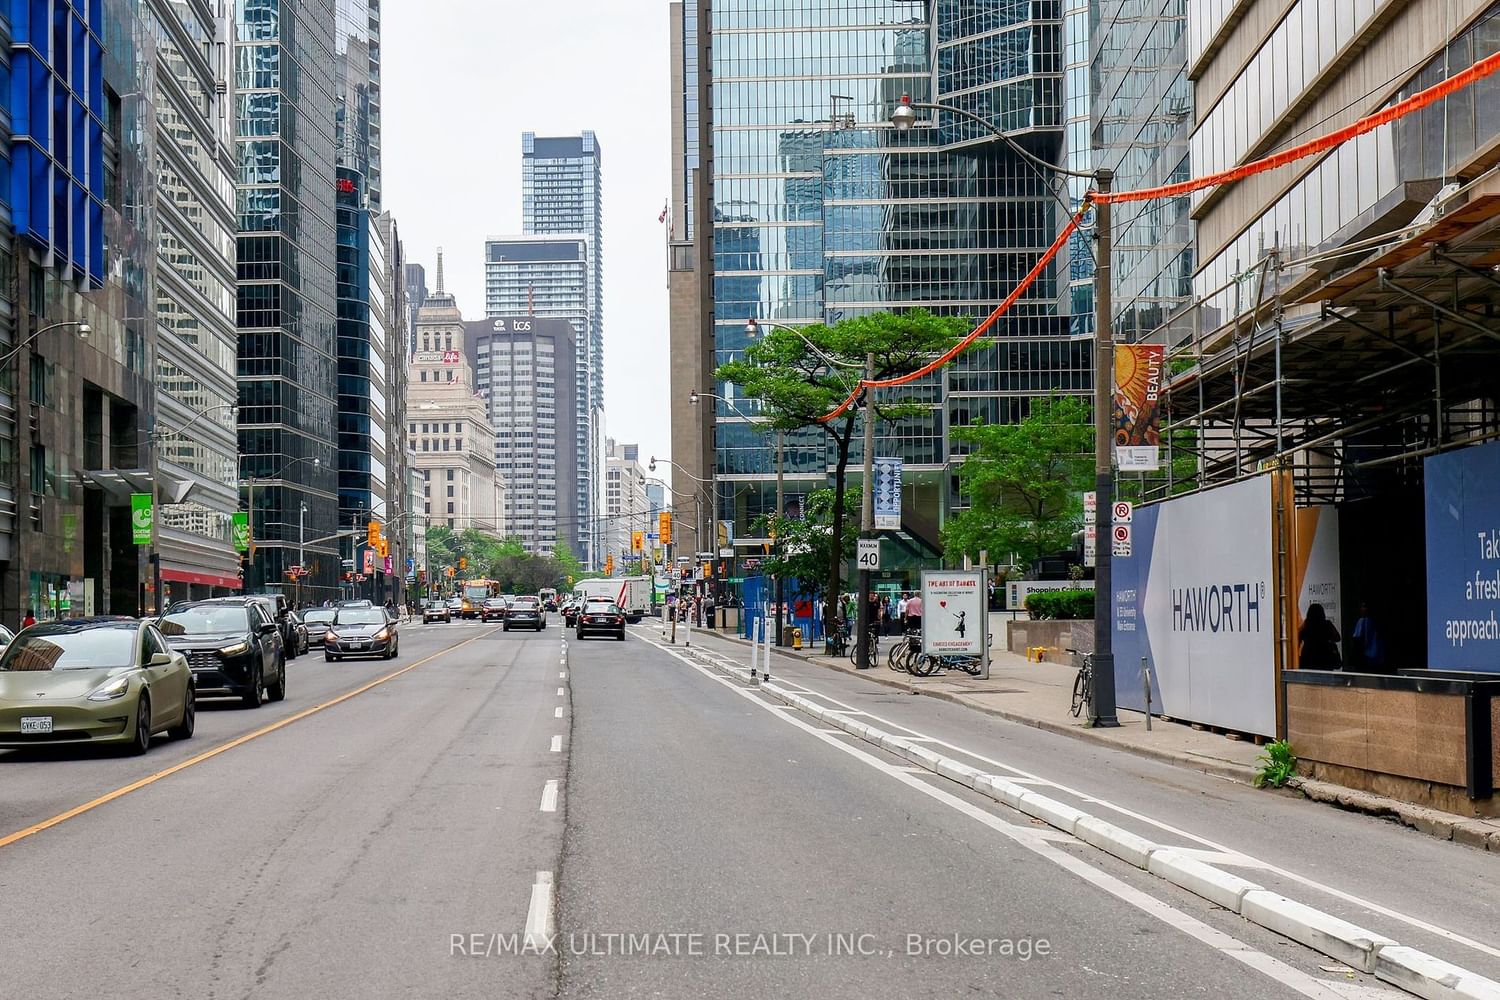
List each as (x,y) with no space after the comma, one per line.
(831,362)
(731,404)
(83,328)
(164,432)
(1016,147)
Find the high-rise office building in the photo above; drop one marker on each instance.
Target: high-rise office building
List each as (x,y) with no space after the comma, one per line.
(548,277)
(286,310)
(357,91)
(447,424)
(405,505)
(562,194)
(1142,118)
(822,211)
(524,369)
(415,278)
(196,340)
(627,507)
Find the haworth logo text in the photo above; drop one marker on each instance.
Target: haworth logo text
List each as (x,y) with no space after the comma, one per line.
(1222,607)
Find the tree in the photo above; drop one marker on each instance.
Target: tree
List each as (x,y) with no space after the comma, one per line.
(804,546)
(796,387)
(1024,482)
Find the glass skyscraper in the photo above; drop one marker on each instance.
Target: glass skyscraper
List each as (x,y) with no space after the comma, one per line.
(823,211)
(284,93)
(561,193)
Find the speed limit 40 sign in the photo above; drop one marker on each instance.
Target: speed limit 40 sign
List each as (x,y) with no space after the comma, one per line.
(868,554)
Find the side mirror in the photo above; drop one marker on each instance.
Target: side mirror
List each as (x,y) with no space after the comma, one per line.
(160,660)
(268,627)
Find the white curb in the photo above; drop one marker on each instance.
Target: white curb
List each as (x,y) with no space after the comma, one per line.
(1407,968)
(1349,943)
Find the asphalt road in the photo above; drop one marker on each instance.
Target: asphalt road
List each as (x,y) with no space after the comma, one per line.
(660,831)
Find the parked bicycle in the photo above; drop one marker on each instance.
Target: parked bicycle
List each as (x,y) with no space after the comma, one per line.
(904,652)
(1083,685)
(930,663)
(874,647)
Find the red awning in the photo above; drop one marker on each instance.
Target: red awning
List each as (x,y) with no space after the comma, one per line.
(206,579)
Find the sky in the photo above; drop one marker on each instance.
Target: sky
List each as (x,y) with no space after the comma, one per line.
(461,81)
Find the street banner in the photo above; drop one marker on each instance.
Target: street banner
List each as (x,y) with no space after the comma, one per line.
(241,526)
(1195,599)
(1315,567)
(369,562)
(1136,410)
(953,612)
(887,494)
(1463,559)
(140,518)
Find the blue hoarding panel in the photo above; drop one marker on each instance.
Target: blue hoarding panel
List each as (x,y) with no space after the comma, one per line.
(1463,559)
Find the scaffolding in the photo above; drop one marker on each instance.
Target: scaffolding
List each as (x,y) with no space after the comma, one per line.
(1345,366)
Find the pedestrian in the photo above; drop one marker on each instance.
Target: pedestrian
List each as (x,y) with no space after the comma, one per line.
(914,613)
(30,618)
(1319,639)
(1368,649)
(901,612)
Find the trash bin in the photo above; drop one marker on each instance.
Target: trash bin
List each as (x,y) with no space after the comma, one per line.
(796,638)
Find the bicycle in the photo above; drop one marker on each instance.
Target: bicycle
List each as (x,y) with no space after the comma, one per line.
(930,663)
(874,648)
(904,653)
(1083,685)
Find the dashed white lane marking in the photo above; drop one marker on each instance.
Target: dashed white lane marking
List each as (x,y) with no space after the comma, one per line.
(560,692)
(557,712)
(562,675)
(539,913)
(549,796)
(557,744)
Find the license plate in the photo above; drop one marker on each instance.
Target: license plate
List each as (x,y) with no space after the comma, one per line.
(357,645)
(36,724)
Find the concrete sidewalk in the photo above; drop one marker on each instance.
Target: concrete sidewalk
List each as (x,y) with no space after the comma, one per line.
(1040,695)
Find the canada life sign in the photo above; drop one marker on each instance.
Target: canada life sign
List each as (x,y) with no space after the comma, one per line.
(1194,599)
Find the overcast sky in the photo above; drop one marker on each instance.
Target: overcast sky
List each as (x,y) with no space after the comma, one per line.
(461,81)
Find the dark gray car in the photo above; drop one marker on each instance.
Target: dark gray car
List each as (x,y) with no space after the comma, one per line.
(361,632)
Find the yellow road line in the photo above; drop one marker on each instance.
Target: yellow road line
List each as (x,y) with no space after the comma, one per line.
(62,817)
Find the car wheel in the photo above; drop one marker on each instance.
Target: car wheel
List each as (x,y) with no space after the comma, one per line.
(252,697)
(142,741)
(184,729)
(277,691)
(327,656)
(620,635)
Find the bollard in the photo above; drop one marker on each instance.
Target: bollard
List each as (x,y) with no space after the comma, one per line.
(687,631)
(755,646)
(1146,683)
(766,673)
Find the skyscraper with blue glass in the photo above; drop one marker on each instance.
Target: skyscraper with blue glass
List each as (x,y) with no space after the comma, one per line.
(284,92)
(822,211)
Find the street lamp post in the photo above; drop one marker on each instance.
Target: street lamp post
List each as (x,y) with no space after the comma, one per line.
(83,334)
(1102,712)
(714,527)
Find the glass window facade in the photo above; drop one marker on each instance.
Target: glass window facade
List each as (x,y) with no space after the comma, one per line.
(823,211)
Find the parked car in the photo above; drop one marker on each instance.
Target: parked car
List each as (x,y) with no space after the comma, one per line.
(299,630)
(232,646)
(362,632)
(526,612)
(281,613)
(6,635)
(95,681)
(493,607)
(436,611)
(601,616)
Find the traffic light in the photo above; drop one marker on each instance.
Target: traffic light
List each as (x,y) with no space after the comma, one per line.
(372,535)
(637,541)
(664,527)
(609,565)
(385,548)
(449,571)
(463,562)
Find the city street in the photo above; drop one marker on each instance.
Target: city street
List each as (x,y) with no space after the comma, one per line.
(661,831)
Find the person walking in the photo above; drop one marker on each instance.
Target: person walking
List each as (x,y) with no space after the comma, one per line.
(1368,649)
(30,618)
(1319,639)
(914,613)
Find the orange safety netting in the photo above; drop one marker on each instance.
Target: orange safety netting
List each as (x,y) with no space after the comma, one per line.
(1485,67)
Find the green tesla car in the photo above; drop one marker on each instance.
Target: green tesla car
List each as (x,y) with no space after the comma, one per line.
(93,681)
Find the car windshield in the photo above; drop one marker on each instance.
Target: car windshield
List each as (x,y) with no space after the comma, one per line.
(494,602)
(526,602)
(81,649)
(204,619)
(601,608)
(361,616)
(318,618)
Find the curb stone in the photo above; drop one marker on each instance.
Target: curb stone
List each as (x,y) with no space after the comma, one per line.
(1407,968)
(1433,822)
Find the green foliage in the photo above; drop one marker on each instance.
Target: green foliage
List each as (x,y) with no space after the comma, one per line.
(1278,765)
(804,546)
(795,385)
(1024,482)
(1067,604)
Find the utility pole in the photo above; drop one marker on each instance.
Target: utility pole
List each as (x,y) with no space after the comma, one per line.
(155,439)
(301,547)
(867,516)
(777,595)
(1102,711)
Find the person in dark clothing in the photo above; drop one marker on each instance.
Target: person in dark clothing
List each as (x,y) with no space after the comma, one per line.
(1319,640)
(1369,648)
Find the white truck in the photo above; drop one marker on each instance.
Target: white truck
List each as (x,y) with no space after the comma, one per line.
(631,593)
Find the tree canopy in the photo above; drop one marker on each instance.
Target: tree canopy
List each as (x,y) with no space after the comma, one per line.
(1024,483)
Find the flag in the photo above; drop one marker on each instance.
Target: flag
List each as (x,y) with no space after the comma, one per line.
(663,216)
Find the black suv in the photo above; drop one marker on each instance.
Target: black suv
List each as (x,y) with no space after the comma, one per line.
(232,645)
(280,610)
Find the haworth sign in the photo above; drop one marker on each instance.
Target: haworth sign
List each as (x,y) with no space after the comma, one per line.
(1195,599)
